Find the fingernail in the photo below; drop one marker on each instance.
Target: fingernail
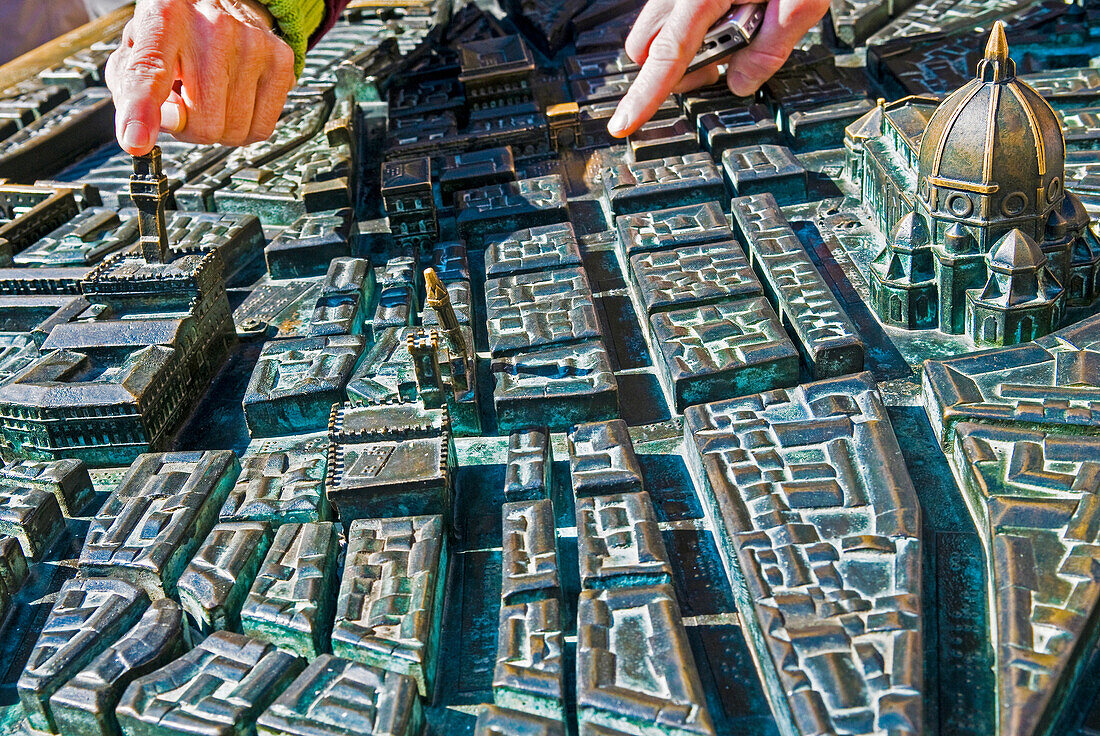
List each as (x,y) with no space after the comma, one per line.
(135,135)
(170,118)
(618,123)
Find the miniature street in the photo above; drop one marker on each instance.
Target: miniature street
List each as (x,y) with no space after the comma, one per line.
(443,413)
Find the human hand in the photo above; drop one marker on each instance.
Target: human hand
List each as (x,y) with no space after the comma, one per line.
(668,33)
(207,71)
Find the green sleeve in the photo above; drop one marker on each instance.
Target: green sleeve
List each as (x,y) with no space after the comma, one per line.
(296,20)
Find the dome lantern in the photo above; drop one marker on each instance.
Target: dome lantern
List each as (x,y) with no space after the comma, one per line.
(996,66)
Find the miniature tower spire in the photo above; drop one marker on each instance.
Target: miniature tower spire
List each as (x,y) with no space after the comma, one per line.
(440,302)
(996,48)
(149,190)
(996,66)
(460,362)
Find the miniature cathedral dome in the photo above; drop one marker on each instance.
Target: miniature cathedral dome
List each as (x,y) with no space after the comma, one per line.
(994,149)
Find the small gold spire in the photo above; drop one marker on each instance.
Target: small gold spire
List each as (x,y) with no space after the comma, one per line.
(996,48)
(437,292)
(996,66)
(439,300)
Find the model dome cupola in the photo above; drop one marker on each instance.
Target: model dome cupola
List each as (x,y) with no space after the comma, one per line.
(993,153)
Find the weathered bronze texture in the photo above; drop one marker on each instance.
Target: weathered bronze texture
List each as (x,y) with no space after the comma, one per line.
(779,416)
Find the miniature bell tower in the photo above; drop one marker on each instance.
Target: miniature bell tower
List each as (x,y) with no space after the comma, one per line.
(149,190)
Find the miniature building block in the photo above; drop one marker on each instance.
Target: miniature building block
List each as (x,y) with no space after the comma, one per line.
(764,169)
(236,237)
(306,247)
(496,721)
(529,558)
(671,228)
(84,240)
(473,169)
(1029,562)
(30,514)
(409,200)
(733,127)
(314,177)
(222,685)
(338,697)
(692,276)
(529,463)
(385,372)
(1045,384)
(290,603)
(723,350)
(698,102)
(812,128)
(534,250)
(390,605)
(70,130)
(296,382)
(618,542)
(13,571)
(278,487)
(450,261)
(157,516)
(496,71)
(660,139)
(822,450)
(92,389)
(346,293)
(671,695)
(826,337)
(529,675)
(85,705)
(668,182)
(997,267)
(89,615)
(610,87)
(67,480)
(213,587)
(815,101)
(398,299)
(511,206)
(547,23)
(539,309)
(389,460)
(602,459)
(554,387)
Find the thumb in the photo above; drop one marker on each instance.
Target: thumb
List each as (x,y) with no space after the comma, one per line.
(785,23)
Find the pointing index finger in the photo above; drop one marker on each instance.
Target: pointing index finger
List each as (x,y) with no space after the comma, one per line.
(669,55)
